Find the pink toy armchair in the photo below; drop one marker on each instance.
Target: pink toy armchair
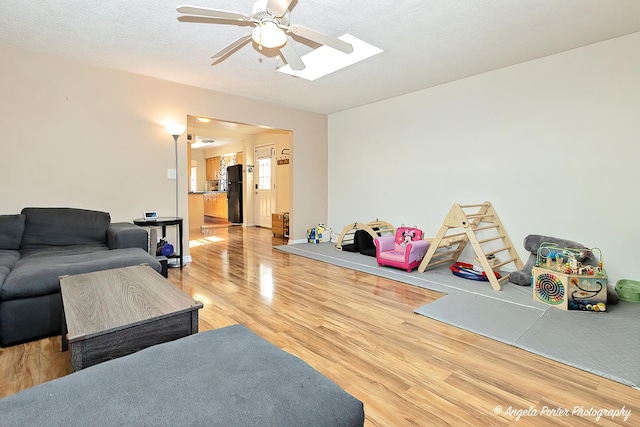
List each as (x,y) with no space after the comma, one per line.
(404,250)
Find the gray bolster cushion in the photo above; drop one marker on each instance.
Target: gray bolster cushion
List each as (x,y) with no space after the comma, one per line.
(11,230)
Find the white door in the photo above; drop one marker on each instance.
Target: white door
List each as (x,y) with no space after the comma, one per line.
(265,184)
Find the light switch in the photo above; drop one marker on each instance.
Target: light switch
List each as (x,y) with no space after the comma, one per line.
(171,174)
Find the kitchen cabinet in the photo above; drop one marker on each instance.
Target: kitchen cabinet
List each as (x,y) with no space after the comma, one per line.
(209,169)
(239,157)
(212,167)
(216,204)
(208,205)
(216,167)
(223,207)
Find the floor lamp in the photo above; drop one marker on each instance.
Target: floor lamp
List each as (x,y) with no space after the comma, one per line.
(175,130)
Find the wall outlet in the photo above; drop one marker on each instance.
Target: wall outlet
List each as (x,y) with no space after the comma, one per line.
(171,174)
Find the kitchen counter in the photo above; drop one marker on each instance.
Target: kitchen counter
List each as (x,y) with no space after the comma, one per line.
(207,192)
(206,203)
(196,210)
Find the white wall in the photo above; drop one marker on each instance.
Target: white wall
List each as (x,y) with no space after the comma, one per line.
(552,143)
(225,150)
(89,137)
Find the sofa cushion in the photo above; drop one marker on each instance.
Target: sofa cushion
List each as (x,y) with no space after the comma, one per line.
(395,256)
(4,272)
(8,258)
(37,272)
(63,227)
(226,377)
(11,230)
(29,319)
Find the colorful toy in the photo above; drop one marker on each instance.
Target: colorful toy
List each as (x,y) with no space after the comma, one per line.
(551,248)
(559,279)
(471,272)
(314,235)
(404,250)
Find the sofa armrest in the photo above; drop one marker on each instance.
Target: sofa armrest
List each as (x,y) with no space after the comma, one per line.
(122,235)
(416,250)
(385,243)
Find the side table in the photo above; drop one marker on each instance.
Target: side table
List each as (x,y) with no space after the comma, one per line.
(164,222)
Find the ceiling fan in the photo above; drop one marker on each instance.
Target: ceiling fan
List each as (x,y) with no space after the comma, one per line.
(270,19)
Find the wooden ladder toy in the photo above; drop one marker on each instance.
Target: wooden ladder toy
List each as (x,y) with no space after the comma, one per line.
(466,222)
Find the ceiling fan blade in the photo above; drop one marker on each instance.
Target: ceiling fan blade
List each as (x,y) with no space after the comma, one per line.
(321,38)
(232,46)
(213,13)
(278,7)
(290,55)
(208,20)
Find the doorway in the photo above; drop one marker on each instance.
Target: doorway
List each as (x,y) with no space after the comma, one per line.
(265,184)
(209,138)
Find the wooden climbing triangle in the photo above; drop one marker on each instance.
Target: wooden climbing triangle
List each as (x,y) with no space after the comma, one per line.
(479,225)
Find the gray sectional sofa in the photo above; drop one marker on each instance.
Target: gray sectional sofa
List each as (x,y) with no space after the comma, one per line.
(39,245)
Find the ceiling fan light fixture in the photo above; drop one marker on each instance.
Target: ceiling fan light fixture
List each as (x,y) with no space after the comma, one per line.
(268,34)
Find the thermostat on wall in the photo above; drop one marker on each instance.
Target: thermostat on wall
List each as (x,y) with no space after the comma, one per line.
(151,216)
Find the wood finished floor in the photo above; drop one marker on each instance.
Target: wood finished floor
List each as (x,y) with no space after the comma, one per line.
(360,330)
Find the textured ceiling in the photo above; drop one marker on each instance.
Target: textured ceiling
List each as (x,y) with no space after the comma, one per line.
(425,42)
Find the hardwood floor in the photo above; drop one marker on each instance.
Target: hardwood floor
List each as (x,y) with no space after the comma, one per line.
(360,330)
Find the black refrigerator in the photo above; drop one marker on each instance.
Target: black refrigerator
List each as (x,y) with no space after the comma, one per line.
(234,193)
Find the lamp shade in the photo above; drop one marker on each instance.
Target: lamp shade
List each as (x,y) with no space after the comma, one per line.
(269,35)
(175,128)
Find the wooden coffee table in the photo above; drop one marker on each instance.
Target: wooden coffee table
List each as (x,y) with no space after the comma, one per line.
(112,313)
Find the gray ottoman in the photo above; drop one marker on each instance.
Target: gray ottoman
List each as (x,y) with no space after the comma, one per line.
(225,377)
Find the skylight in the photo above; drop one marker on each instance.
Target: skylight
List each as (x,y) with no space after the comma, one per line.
(326,60)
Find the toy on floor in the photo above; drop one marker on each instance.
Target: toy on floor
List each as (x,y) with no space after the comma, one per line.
(581,254)
(628,290)
(560,278)
(358,236)
(477,225)
(314,235)
(404,250)
(533,242)
(471,272)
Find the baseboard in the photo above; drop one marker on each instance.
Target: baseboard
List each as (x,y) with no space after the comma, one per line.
(293,242)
